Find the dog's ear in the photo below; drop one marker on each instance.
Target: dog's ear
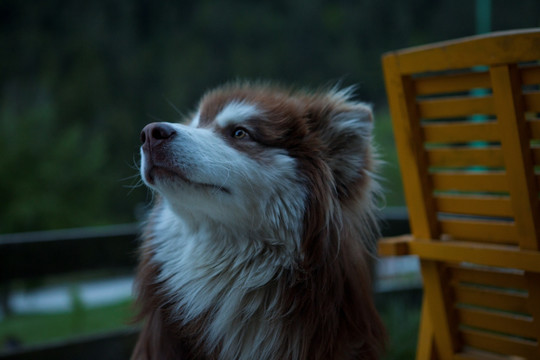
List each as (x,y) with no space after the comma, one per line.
(347,134)
(345,164)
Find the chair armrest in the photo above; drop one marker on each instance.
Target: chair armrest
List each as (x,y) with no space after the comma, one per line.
(394,246)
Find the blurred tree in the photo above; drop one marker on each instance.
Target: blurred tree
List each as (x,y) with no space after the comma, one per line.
(79,80)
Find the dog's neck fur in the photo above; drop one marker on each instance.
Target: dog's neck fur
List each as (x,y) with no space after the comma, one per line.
(227,275)
(250,304)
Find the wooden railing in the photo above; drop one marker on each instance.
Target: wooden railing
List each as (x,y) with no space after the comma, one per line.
(35,255)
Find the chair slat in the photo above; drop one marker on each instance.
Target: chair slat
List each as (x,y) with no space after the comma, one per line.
(475,354)
(461,132)
(455,107)
(500,344)
(518,325)
(493,277)
(514,46)
(483,231)
(532,102)
(490,298)
(530,75)
(494,181)
(451,83)
(490,156)
(506,256)
(474,205)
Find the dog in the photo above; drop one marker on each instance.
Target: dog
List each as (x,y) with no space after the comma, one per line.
(263,225)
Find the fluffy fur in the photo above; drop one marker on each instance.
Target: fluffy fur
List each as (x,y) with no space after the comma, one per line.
(258,243)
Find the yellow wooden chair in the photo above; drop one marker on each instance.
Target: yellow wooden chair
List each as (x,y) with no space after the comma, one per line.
(466,118)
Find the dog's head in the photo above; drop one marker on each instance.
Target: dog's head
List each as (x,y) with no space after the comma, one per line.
(258,157)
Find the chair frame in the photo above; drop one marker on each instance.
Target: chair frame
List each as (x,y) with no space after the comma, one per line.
(511,245)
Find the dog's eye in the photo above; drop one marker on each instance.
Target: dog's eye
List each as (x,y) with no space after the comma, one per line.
(239,133)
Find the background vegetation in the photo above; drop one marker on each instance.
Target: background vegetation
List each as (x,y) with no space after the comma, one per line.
(78,80)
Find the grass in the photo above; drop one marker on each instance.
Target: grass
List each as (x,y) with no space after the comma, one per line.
(400,313)
(33,329)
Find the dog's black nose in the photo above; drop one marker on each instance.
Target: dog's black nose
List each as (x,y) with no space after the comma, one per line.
(155,133)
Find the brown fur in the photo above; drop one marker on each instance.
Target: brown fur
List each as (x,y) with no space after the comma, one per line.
(326,298)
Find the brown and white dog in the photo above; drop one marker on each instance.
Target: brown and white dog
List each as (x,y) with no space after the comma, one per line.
(258,243)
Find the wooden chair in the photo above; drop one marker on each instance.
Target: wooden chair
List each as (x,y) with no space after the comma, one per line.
(466,118)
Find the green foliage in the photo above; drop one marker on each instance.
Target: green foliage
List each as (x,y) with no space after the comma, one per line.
(402,326)
(79,80)
(46,167)
(400,313)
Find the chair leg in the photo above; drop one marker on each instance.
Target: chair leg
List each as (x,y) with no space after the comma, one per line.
(426,339)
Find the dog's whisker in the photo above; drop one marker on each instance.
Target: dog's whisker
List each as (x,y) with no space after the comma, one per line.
(182,115)
(155,118)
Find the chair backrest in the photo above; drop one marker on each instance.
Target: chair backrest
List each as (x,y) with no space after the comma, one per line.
(466,117)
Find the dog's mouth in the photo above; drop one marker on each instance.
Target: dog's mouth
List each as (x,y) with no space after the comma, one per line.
(155,173)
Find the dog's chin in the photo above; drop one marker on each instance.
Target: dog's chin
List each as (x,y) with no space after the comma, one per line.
(159,176)
(156,175)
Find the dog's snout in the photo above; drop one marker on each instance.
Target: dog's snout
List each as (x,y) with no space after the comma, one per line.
(155,133)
